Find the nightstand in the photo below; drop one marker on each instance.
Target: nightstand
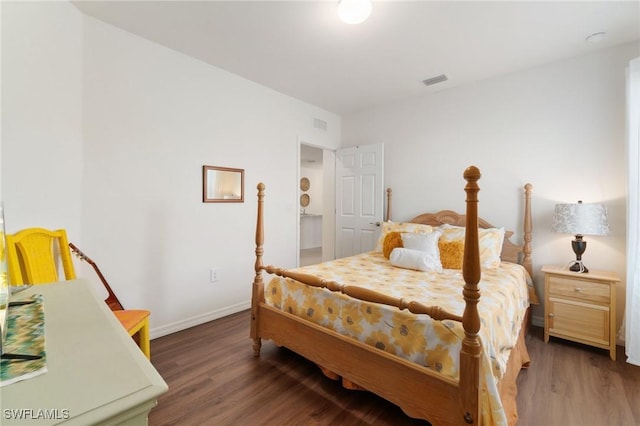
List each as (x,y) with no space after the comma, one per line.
(581,307)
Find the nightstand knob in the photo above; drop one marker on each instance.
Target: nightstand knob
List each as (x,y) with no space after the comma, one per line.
(578,289)
(551,314)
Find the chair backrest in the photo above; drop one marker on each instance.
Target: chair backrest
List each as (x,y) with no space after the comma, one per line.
(32,256)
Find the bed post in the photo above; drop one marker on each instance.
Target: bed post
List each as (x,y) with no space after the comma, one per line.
(471,350)
(526,261)
(257,296)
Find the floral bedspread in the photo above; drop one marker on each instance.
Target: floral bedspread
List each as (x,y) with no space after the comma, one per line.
(433,344)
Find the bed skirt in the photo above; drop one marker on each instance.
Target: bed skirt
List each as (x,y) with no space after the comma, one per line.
(507,387)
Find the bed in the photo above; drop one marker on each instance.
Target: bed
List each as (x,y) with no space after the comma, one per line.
(471,379)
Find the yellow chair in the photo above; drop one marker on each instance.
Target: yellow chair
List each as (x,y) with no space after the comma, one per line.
(31,257)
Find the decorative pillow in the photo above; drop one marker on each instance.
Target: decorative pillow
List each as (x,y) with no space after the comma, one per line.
(415,259)
(451,253)
(400,227)
(391,241)
(490,242)
(422,242)
(451,233)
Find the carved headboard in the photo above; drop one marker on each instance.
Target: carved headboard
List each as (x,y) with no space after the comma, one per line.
(510,252)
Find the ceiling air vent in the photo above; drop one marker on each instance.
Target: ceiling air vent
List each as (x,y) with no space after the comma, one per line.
(320,124)
(435,80)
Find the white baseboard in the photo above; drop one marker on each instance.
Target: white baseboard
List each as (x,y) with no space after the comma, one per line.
(197,320)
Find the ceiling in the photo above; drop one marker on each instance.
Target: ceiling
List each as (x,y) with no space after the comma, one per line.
(301,49)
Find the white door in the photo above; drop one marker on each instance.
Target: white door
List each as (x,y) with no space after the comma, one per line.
(359,198)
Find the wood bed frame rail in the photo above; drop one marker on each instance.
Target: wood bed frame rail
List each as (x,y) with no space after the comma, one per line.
(364,294)
(420,392)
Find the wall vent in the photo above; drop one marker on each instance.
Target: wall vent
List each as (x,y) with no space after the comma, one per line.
(435,80)
(320,124)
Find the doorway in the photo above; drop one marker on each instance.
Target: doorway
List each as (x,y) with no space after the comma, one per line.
(359,179)
(311,194)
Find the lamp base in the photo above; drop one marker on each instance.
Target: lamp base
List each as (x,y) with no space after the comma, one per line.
(578,266)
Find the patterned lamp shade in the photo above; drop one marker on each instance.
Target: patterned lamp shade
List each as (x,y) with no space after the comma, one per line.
(581,219)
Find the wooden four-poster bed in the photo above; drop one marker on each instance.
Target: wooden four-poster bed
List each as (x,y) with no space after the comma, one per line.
(442,390)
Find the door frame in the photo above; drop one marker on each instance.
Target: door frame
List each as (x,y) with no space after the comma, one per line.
(328,200)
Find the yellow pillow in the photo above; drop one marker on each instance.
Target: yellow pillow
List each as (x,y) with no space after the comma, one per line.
(490,242)
(451,253)
(400,227)
(391,240)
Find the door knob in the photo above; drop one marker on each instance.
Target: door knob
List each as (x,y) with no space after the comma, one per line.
(374,223)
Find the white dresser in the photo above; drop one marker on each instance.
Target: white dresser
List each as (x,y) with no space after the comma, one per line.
(96,374)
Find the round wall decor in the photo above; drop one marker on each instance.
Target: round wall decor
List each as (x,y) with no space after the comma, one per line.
(305,184)
(304,200)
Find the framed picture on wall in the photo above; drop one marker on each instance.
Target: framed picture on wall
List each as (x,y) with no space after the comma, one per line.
(222,185)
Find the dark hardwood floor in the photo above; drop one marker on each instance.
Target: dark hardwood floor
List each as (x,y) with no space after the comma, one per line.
(214,379)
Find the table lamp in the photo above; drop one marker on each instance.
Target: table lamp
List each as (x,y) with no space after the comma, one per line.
(580,219)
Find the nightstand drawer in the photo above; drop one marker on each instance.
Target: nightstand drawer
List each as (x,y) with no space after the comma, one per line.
(580,289)
(579,321)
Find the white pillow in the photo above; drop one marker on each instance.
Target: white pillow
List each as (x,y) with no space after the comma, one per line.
(422,242)
(415,259)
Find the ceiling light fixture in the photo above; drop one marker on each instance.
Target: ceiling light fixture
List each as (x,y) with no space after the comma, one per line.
(354,11)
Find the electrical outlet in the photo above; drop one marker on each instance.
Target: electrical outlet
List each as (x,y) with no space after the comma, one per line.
(213,275)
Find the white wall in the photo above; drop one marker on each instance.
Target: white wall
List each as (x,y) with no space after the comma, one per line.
(152,118)
(559,127)
(105,134)
(1,97)
(42,116)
